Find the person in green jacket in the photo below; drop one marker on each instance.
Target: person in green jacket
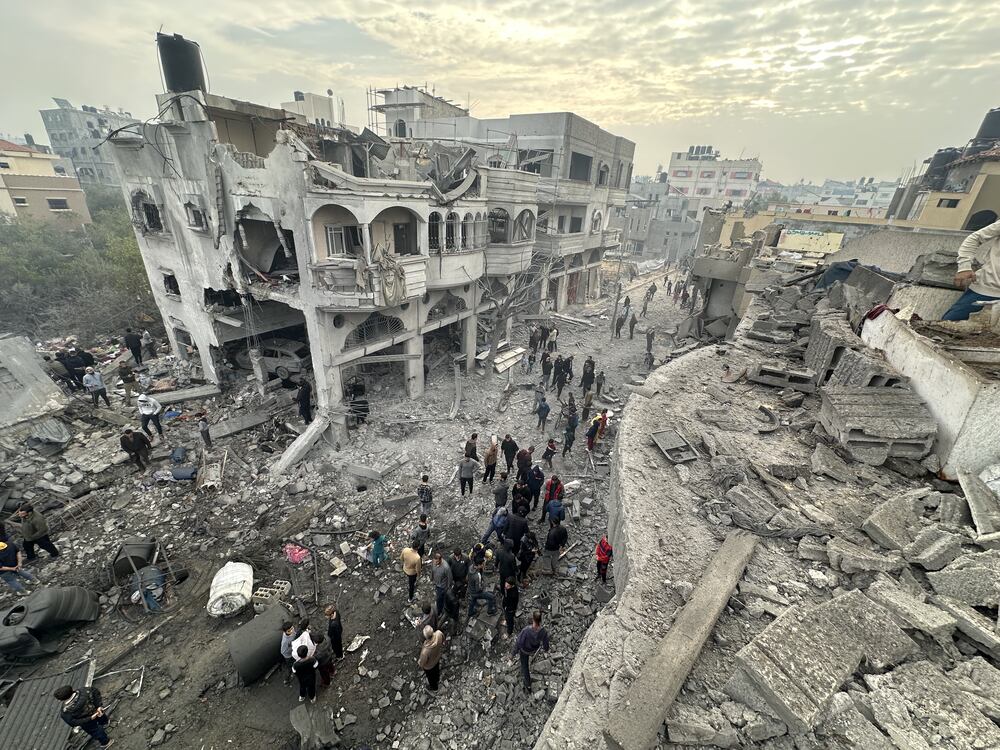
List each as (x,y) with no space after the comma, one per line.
(35,531)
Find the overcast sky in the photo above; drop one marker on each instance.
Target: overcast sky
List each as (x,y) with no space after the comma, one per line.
(815,89)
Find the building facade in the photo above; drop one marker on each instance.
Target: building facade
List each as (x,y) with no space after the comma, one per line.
(322,111)
(582,174)
(32,188)
(710,181)
(658,222)
(75,134)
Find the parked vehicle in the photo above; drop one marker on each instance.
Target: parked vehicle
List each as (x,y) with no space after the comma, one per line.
(283,357)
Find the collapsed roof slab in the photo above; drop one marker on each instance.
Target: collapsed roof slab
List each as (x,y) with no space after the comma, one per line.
(27,393)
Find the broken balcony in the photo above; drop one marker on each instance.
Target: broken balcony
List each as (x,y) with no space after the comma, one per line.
(457,245)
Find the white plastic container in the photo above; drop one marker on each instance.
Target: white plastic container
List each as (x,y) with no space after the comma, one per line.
(231,589)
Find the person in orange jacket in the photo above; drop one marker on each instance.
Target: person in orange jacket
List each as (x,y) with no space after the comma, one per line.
(604,552)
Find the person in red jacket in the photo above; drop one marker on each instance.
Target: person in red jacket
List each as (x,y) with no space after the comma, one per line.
(604,552)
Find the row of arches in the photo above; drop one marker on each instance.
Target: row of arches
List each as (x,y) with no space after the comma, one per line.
(452,233)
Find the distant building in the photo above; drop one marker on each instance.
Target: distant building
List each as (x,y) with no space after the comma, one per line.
(404,106)
(321,111)
(76,133)
(709,180)
(658,222)
(30,187)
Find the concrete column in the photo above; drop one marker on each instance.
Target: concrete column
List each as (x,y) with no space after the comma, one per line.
(563,292)
(469,327)
(257,365)
(415,367)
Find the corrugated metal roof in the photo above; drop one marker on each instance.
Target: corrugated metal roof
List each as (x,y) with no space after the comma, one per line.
(32,720)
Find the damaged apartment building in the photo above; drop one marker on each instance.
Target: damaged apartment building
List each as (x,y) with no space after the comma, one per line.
(279,243)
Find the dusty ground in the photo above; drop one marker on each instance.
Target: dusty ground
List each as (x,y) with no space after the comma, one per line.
(189,695)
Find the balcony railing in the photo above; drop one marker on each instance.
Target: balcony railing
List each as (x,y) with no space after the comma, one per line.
(345,284)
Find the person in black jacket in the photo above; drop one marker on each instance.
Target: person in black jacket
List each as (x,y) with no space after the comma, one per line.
(506,563)
(133,342)
(303,397)
(335,631)
(82,708)
(511,597)
(517,525)
(509,449)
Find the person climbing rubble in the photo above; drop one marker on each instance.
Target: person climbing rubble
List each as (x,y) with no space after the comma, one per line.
(93,381)
(137,446)
(149,411)
(34,531)
(532,639)
(374,552)
(603,552)
(133,342)
(555,542)
(477,594)
(127,375)
(12,568)
(83,708)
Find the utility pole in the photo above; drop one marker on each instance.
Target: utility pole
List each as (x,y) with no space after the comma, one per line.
(618,291)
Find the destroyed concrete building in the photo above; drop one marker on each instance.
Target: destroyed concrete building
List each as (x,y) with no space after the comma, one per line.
(276,243)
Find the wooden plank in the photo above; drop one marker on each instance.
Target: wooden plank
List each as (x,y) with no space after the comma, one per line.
(373,358)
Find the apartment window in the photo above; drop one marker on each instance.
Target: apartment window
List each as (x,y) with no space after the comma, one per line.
(603,174)
(171,285)
(146,213)
(18,201)
(704,191)
(4,165)
(195,216)
(343,240)
(740,175)
(948,202)
(575,224)
(682,173)
(832,213)
(579,166)
(561,225)
(58,204)
(708,173)
(736,193)
(683,190)
(862,202)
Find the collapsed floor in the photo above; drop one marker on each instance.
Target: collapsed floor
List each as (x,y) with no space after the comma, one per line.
(170,675)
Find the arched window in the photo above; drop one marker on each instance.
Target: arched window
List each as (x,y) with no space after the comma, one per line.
(468,232)
(479,232)
(603,174)
(434,231)
(499,221)
(980,219)
(451,231)
(596,222)
(373,328)
(524,226)
(399,129)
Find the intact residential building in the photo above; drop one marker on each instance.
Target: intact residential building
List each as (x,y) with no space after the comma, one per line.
(272,242)
(582,175)
(31,187)
(711,181)
(322,111)
(75,133)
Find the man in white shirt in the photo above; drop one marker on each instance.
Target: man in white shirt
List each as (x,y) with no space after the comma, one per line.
(982,285)
(93,381)
(149,411)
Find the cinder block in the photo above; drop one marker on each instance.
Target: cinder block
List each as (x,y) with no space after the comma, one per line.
(772,373)
(863,368)
(829,339)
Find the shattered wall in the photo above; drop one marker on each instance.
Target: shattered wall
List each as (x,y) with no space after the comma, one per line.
(26,391)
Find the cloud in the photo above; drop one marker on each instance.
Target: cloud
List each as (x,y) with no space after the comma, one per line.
(676,68)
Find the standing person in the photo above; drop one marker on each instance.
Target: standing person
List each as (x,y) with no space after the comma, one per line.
(591,433)
(555,541)
(57,370)
(569,436)
(685,296)
(35,530)
(412,560)
(430,617)
(520,496)
(490,461)
(631,326)
(500,491)
(466,473)
(533,340)
(374,551)
(430,657)
(511,598)
(471,447)
(426,494)
(324,655)
(527,554)
(587,379)
(650,335)
(588,402)
(543,335)
(93,381)
(420,534)
(303,397)
(443,580)
(982,285)
(532,638)
(508,446)
(133,342)
(459,564)
(547,367)
(82,708)
(288,635)
(12,568)
(667,284)
(627,303)
(651,292)
(549,452)
(539,396)
(506,563)
(677,291)
(603,552)
(554,339)
(74,365)
(127,375)
(524,462)
(517,525)
(535,480)
(531,362)
(335,631)
(149,345)
(477,594)
(552,504)
(645,306)
(543,413)
(599,382)
(205,430)
(561,379)
(149,411)
(137,446)
(557,367)
(305,668)
(619,322)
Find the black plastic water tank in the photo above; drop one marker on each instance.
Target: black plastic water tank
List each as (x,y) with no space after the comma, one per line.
(181,62)
(990,129)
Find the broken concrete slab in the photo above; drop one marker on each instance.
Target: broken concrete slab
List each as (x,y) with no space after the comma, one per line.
(637,723)
(980,680)
(875,423)
(751,504)
(973,579)
(933,548)
(301,446)
(827,463)
(852,558)
(984,506)
(863,368)
(909,611)
(188,394)
(811,548)
(847,728)
(803,658)
(975,626)
(780,376)
(953,510)
(691,725)
(895,523)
